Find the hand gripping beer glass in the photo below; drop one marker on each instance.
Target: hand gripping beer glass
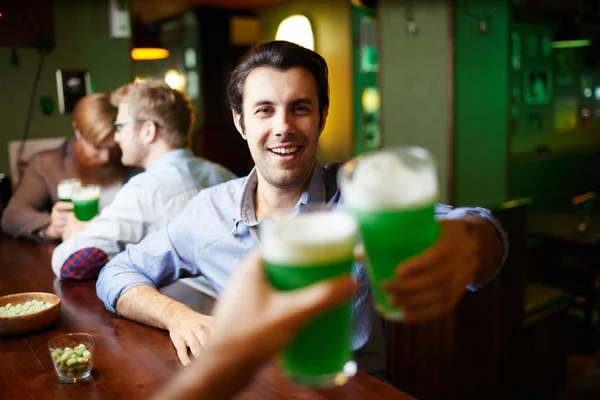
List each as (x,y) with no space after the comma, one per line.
(301,251)
(85,201)
(65,188)
(392,193)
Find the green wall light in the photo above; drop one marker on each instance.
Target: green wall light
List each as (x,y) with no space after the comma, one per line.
(569,35)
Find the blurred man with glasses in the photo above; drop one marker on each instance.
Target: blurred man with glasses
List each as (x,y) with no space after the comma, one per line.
(153,129)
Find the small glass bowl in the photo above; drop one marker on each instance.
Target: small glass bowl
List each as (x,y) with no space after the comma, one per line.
(72,356)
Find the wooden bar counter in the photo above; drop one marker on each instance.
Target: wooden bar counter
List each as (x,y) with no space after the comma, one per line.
(131,361)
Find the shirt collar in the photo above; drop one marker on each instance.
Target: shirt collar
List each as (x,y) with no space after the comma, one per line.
(68,147)
(169,157)
(314,194)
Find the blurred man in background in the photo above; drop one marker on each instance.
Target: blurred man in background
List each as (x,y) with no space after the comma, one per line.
(34,211)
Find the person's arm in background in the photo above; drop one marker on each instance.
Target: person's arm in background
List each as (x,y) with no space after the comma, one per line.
(252,323)
(26,215)
(128,219)
(128,283)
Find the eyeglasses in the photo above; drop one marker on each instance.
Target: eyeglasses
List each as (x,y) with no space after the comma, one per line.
(119,124)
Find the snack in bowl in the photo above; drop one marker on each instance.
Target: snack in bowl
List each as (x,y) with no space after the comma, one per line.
(29,307)
(27,312)
(72,356)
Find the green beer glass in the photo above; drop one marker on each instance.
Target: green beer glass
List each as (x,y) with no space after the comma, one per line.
(301,251)
(65,188)
(392,193)
(85,201)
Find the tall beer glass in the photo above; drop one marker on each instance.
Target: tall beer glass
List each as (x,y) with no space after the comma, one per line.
(301,251)
(392,193)
(65,188)
(85,201)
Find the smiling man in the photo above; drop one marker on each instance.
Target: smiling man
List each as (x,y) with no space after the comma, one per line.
(279,96)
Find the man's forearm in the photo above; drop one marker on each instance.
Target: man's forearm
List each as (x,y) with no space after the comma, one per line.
(490,246)
(148,306)
(23,221)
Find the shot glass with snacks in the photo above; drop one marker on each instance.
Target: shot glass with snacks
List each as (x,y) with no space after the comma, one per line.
(72,356)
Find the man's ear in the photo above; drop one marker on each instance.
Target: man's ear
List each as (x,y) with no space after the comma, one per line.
(149,132)
(77,133)
(323,119)
(239,124)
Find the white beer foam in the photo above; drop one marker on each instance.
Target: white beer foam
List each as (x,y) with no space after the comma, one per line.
(309,238)
(65,188)
(86,193)
(383,181)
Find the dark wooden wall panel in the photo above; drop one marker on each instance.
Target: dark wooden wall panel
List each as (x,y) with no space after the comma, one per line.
(24,20)
(474,352)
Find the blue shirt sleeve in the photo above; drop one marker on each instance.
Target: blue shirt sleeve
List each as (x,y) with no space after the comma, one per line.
(160,259)
(443,211)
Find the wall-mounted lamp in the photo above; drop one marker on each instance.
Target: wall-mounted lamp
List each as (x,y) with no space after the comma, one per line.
(146,45)
(175,79)
(484,20)
(569,35)
(296,29)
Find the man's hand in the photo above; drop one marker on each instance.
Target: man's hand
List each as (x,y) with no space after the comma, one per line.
(58,220)
(189,329)
(73,226)
(431,284)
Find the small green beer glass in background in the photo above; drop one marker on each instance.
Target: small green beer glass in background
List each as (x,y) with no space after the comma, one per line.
(301,251)
(85,201)
(65,188)
(392,193)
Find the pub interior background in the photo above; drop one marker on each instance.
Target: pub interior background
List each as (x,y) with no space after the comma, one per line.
(513,121)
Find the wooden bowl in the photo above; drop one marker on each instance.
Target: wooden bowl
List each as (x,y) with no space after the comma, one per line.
(31,322)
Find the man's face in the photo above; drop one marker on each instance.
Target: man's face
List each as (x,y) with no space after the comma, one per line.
(134,150)
(97,155)
(281,124)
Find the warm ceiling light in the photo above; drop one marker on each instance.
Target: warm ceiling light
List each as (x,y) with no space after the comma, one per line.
(149,53)
(296,29)
(569,35)
(146,45)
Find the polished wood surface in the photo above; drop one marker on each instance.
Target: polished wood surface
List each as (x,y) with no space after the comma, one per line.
(131,360)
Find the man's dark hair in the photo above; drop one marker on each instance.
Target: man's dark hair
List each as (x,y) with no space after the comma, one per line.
(281,56)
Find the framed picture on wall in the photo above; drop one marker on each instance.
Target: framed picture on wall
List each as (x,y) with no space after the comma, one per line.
(72,86)
(537,86)
(566,61)
(532,45)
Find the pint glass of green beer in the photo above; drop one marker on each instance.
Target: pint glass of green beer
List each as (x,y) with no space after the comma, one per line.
(65,188)
(392,193)
(301,251)
(85,201)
